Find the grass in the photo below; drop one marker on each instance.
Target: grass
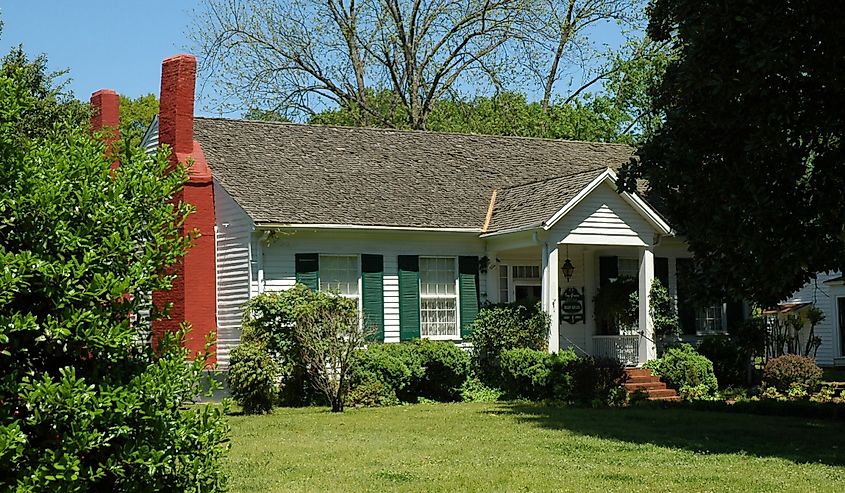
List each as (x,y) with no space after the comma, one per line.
(524,447)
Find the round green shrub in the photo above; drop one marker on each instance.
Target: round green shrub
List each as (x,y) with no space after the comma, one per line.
(525,373)
(446,368)
(792,370)
(505,326)
(371,393)
(253,378)
(682,367)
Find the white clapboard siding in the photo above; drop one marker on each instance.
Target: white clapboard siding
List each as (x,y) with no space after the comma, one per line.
(603,218)
(280,269)
(233,255)
(824,297)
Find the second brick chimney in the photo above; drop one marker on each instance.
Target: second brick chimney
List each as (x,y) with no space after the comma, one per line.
(194,292)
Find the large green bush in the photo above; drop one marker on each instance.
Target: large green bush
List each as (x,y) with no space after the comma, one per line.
(434,370)
(684,369)
(253,378)
(505,326)
(84,406)
(792,370)
(446,368)
(525,373)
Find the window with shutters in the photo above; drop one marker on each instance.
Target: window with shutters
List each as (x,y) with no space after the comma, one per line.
(439,298)
(340,273)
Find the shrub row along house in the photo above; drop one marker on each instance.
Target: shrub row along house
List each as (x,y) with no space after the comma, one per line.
(421,228)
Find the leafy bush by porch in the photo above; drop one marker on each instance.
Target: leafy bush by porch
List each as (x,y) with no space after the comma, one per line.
(684,369)
(505,326)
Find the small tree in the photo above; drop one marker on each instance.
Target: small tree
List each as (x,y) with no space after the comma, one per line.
(329,332)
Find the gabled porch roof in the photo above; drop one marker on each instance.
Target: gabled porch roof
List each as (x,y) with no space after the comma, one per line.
(542,204)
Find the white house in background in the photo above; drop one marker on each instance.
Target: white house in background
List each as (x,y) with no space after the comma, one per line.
(420,227)
(826,292)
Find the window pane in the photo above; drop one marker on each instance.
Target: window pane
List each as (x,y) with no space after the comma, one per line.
(503,283)
(339,273)
(438,317)
(437,277)
(629,267)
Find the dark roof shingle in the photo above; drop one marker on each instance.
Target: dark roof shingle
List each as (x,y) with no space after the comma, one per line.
(518,207)
(308,174)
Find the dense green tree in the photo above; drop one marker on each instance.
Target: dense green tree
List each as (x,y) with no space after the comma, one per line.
(749,163)
(85,402)
(136,115)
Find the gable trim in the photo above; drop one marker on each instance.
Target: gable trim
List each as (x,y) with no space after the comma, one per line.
(632,199)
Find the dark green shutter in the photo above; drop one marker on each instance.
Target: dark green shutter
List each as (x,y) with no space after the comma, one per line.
(608,269)
(308,270)
(372,293)
(468,292)
(661,270)
(409,297)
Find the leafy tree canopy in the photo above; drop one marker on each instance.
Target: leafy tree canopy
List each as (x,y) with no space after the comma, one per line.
(749,162)
(85,402)
(136,115)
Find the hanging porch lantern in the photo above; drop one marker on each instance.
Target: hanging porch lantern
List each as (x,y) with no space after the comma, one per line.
(568,269)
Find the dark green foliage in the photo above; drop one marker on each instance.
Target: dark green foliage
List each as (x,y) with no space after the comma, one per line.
(792,370)
(269,323)
(253,378)
(505,326)
(525,373)
(596,381)
(433,370)
(371,393)
(616,305)
(446,368)
(730,361)
(752,145)
(664,314)
(136,116)
(474,390)
(85,402)
(684,369)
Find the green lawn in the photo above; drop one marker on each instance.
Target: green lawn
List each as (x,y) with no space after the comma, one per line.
(521,447)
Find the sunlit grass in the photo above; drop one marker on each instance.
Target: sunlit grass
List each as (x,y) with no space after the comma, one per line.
(522,447)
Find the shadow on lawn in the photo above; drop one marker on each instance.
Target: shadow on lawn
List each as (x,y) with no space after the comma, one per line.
(796,439)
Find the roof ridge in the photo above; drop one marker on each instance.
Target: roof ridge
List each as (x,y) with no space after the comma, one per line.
(567,175)
(410,131)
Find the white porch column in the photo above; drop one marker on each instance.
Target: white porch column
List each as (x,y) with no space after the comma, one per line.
(544,273)
(648,349)
(554,294)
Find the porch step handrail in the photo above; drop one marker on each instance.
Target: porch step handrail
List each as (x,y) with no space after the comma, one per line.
(624,348)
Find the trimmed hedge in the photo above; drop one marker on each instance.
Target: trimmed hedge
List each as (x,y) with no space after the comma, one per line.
(434,370)
(253,378)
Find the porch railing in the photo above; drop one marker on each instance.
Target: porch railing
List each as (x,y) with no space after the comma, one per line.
(625,348)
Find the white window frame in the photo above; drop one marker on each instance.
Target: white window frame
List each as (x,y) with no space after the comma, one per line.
(456,297)
(357,258)
(513,282)
(722,320)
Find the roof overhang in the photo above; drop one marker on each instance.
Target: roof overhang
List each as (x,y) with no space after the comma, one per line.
(362,227)
(609,176)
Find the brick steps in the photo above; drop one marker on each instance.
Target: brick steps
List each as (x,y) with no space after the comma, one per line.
(641,379)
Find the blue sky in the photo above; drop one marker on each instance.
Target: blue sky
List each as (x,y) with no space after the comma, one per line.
(114,44)
(106,44)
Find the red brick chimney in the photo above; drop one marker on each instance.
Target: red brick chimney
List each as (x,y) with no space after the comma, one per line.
(106,117)
(194,292)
